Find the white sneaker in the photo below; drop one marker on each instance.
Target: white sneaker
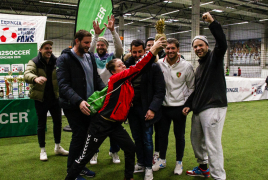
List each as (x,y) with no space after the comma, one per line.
(148,174)
(115,157)
(155,157)
(61,151)
(138,168)
(94,159)
(43,156)
(178,169)
(160,163)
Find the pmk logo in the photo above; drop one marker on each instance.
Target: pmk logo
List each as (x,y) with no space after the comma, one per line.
(256,90)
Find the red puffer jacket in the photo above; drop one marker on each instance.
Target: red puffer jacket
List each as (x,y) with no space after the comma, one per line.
(117,104)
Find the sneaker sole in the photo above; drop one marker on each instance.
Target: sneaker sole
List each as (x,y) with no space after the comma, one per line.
(198,175)
(178,173)
(138,171)
(92,163)
(116,162)
(86,175)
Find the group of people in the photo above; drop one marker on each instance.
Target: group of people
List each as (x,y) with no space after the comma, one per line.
(151,87)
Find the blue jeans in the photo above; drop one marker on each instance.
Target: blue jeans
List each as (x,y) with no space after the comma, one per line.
(142,136)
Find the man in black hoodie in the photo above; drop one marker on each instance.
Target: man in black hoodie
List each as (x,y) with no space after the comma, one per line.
(208,103)
(78,78)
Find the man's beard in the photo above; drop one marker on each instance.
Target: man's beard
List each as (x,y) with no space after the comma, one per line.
(103,52)
(175,57)
(81,49)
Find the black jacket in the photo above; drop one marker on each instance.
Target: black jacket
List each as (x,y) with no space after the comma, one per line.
(72,80)
(152,89)
(210,85)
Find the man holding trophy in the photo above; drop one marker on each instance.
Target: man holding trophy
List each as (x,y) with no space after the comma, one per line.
(41,75)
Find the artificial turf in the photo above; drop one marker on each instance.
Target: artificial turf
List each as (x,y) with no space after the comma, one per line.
(244,143)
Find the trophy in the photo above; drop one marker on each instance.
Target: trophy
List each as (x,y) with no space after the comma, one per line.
(9,82)
(20,80)
(160,28)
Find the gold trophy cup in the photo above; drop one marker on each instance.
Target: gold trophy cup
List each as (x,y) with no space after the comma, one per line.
(10,80)
(160,28)
(20,80)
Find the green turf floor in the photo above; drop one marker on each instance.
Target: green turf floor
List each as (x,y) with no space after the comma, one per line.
(245,145)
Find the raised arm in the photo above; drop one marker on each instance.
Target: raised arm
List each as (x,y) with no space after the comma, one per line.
(97,31)
(117,42)
(217,32)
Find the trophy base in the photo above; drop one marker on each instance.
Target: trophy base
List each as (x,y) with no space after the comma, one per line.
(10,96)
(21,95)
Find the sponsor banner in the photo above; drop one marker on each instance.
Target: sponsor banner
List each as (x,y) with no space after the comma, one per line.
(22,28)
(17,117)
(246,89)
(89,11)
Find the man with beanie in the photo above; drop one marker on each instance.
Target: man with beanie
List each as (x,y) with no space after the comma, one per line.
(208,103)
(41,75)
(102,57)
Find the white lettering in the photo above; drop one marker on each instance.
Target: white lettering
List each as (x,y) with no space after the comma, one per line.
(12,117)
(23,115)
(1,118)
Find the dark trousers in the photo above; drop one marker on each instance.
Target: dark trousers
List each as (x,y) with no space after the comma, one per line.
(79,124)
(142,136)
(156,137)
(98,131)
(179,122)
(41,110)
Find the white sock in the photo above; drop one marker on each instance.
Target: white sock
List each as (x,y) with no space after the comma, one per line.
(57,146)
(43,149)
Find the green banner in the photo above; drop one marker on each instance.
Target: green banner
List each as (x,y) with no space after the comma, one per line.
(90,10)
(17,117)
(15,56)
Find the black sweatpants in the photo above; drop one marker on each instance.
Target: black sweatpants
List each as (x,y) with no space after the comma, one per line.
(41,110)
(98,131)
(179,122)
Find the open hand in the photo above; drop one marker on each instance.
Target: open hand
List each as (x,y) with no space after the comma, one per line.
(96,27)
(40,80)
(110,25)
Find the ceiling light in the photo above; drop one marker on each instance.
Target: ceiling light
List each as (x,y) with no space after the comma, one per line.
(236,23)
(203,4)
(63,4)
(127,14)
(169,12)
(217,10)
(64,22)
(167,1)
(263,19)
(146,19)
(179,32)
(230,8)
(206,3)
(175,20)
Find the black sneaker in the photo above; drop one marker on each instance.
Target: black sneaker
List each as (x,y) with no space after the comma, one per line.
(87,172)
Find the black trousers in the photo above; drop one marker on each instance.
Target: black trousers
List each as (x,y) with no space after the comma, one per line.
(156,136)
(179,122)
(98,131)
(41,110)
(79,123)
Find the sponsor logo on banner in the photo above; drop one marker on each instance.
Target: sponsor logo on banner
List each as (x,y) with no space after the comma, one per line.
(244,89)
(256,90)
(232,90)
(13,118)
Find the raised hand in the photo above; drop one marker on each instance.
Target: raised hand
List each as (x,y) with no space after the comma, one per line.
(110,25)
(97,28)
(207,17)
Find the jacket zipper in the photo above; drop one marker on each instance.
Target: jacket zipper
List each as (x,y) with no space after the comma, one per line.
(117,107)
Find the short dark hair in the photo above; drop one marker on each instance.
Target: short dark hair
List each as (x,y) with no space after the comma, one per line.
(81,34)
(137,43)
(149,39)
(173,41)
(110,66)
